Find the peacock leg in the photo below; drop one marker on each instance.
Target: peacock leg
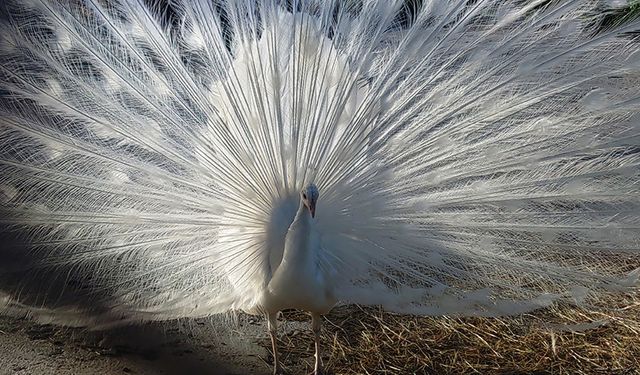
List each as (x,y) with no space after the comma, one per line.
(316,321)
(272,325)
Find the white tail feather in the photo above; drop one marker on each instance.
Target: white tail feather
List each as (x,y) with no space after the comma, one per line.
(474,158)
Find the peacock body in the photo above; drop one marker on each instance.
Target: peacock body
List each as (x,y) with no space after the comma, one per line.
(471,157)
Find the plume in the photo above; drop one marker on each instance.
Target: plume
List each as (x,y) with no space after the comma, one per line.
(473,157)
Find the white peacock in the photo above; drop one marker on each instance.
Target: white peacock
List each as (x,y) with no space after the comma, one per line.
(470,157)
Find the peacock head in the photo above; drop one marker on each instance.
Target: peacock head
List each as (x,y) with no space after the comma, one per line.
(309,195)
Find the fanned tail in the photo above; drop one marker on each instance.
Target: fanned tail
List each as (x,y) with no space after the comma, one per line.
(474,158)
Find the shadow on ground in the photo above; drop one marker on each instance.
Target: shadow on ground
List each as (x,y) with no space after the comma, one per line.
(170,348)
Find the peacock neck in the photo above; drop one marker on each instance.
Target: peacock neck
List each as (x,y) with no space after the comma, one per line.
(303,215)
(297,243)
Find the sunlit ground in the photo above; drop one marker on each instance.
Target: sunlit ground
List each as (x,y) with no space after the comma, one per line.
(565,340)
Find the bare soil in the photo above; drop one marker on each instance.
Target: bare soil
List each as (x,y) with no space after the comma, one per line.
(198,347)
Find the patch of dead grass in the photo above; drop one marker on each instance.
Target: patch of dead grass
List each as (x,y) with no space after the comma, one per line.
(562,340)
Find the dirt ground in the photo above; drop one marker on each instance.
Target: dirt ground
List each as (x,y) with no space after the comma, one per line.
(197,347)
(564,340)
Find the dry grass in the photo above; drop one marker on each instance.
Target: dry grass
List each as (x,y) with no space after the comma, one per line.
(563,340)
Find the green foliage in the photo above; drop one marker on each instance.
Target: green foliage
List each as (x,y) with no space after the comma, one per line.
(622,15)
